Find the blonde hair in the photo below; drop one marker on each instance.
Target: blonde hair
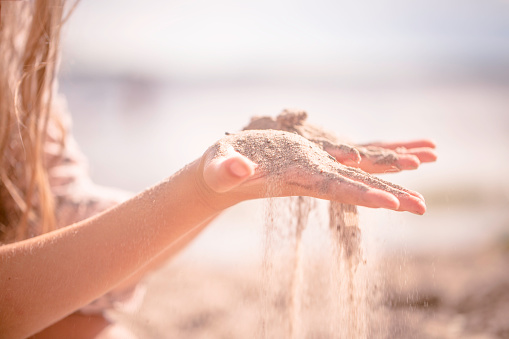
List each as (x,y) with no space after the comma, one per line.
(29,40)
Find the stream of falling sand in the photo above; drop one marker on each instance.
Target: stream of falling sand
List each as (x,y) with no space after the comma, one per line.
(301,207)
(281,146)
(347,255)
(344,312)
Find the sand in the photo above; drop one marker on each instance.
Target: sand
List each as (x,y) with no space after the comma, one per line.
(285,155)
(344,228)
(292,152)
(295,121)
(440,296)
(334,293)
(343,298)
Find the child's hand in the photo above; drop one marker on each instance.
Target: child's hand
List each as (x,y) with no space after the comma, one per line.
(372,158)
(263,163)
(394,157)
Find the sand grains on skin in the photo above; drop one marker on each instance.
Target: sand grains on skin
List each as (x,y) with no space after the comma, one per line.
(307,169)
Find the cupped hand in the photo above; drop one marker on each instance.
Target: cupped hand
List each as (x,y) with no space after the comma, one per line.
(373,158)
(265,163)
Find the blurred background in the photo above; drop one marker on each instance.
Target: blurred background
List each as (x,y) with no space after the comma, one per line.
(150,85)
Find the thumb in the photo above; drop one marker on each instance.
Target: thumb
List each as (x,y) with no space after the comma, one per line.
(226,172)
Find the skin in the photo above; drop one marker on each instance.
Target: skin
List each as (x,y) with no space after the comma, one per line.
(46,278)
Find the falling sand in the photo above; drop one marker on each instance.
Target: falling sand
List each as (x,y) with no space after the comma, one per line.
(292,153)
(291,281)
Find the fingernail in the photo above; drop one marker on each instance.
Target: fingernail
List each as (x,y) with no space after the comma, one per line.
(239,169)
(421,209)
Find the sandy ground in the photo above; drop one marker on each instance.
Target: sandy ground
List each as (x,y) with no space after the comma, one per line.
(455,295)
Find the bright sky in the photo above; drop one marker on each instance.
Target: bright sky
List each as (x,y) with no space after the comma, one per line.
(320,37)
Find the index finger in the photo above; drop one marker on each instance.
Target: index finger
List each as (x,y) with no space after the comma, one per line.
(406,144)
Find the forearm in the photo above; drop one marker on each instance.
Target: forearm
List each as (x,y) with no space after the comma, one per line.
(47,277)
(166,255)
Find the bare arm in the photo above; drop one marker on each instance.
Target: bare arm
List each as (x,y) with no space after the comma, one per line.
(47,277)
(166,255)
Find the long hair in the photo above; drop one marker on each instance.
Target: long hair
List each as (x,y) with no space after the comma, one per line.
(29,49)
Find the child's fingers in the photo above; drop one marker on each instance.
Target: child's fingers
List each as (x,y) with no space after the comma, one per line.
(407,161)
(378,160)
(406,144)
(425,154)
(394,163)
(351,191)
(357,193)
(409,200)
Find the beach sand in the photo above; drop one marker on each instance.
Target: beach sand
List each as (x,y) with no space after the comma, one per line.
(456,294)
